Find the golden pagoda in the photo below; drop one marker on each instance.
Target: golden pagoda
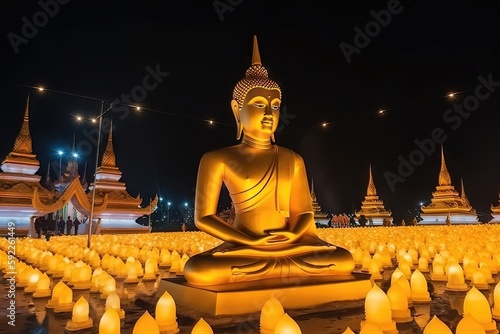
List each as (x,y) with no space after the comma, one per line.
(495,212)
(320,217)
(373,207)
(18,183)
(23,197)
(446,201)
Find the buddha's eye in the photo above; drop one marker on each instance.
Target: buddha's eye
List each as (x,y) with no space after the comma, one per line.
(259,105)
(275,107)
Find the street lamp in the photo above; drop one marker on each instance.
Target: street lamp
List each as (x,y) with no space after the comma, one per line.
(60,152)
(168,211)
(95,172)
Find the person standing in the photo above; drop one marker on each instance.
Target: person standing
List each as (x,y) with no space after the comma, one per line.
(38,227)
(76,223)
(69,225)
(60,225)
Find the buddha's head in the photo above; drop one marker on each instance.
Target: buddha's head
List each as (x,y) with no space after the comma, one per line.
(256,101)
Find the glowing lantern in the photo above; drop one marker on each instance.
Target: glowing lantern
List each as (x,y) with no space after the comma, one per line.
(23,277)
(496,302)
(176,258)
(131,270)
(456,279)
(80,319)
(83,279)
(423,265)
(479,280)
(54,300)
(182,263)
(476,305)
(110,322)
(396,274)
(150,269)
(378,310)
(419,289)
(113,301)
(436,326)
(405,284)
(438,273)
(405,269)
(33,278)
(375,270)
(469,325)
(166,314)
(94,282)
(271,313)
(399,304)
(109,285)
(42,287)
(287,325)
(68,269)
(65,301)
(165,258)
(370,329)
(146,324)
(202,327)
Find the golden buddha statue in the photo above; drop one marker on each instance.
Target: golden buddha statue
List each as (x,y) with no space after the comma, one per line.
(274,233)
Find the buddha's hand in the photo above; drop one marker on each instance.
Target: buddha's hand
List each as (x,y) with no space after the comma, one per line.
(283,237)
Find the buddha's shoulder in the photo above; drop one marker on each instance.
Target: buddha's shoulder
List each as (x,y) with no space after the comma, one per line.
(221,153)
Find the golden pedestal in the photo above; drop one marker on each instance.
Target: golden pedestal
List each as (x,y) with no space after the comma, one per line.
(247,297)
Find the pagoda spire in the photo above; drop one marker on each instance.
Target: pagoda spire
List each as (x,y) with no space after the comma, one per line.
(83,179)
(23,143)
(444,175)
(313,194)
(256,55)
(109,158)
(464,197)
(371,190)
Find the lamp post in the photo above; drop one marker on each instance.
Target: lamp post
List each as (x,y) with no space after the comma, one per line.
(91,218)
(150,213)
(168,212)
(60,152)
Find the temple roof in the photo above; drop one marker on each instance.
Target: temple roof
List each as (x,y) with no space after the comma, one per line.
(372,206)
(20,187)
(22,151)
(316,207)
(446,199)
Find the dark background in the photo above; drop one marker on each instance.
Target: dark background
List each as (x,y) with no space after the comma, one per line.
(101,49)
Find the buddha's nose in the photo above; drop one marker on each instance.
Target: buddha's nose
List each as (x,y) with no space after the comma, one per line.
(268,111)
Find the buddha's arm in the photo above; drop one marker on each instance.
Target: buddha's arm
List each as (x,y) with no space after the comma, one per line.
(208,187)
(301,219)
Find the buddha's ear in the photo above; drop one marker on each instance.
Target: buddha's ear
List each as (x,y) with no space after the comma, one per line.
(236,112)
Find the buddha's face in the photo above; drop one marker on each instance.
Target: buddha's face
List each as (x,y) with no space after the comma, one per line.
(259,113)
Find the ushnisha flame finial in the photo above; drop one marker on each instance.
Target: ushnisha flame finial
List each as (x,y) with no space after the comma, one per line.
(255,76)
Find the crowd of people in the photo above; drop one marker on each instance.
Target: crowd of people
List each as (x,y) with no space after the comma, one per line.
(49,226)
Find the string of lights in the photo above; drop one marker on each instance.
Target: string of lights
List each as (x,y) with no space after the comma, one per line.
(324,124)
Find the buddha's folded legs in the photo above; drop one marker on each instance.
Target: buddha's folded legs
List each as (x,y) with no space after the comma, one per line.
(209,269)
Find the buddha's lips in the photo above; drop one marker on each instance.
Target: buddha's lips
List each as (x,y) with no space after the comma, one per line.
(267,122)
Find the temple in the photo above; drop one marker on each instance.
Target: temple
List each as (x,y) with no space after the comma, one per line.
(24,196)
(447,202)
(320,217)
(495,212)
(373,207)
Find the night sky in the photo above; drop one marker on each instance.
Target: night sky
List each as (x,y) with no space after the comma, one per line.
(406,66)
